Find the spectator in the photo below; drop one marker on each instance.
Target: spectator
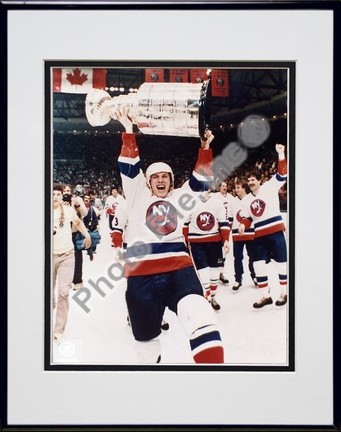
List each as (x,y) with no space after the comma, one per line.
(63,257)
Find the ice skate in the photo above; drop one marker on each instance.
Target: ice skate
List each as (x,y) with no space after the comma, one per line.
(282,300)
(223,279)
(164,325)
(214,304)
(264,301)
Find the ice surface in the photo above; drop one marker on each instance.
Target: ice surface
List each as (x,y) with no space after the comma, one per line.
(102,336)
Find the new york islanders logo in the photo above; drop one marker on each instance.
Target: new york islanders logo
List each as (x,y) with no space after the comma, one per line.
(205,221)
(257,207)
(161,218)
(239,217)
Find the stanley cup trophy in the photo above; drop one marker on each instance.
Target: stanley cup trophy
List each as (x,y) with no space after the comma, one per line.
(178,109)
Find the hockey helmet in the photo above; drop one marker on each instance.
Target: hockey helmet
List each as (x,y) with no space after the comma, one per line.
(79,190)
(158,167)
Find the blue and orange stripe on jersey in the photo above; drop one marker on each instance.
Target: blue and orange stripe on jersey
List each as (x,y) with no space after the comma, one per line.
(269,226)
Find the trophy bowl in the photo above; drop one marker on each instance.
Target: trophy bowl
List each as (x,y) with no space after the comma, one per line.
(178,109)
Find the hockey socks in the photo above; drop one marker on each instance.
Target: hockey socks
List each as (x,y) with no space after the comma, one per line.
(206,345)
(213,290)
(282,276)
(200,324)
(210,355)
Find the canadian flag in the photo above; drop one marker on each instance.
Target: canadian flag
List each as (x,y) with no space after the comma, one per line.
(78,80)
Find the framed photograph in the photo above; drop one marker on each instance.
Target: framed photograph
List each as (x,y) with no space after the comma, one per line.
(139,128)
(169,104)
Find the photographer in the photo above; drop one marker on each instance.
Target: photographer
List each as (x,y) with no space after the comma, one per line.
(76,201)
(64,216)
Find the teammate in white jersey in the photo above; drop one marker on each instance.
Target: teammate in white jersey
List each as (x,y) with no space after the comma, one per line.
(208,230)
(264,211)
(111,204)
(227,199)
(241,241)
(159,269)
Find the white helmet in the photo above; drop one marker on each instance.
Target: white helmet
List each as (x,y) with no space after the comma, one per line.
(79,190)
(158,167)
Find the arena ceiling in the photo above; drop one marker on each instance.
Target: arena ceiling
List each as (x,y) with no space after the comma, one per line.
(251,91)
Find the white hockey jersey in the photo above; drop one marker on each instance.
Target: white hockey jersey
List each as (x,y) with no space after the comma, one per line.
(155,240)
(209,221)
(227,200)
(112,202)
(119,224)
(237,206)
(264,209)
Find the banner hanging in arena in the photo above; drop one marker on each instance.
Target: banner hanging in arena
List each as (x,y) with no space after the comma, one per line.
(220,82)
(154,75)
(198,75)
(78,80)
(178,75)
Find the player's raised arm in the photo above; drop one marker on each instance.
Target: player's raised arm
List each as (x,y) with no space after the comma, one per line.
(282,162)
(202,177)
(129,159)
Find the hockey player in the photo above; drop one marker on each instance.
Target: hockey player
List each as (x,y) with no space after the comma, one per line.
(227,199)
(111,203)
(159,269)
(118,234)
(269,243)
(208,229)
(241,241)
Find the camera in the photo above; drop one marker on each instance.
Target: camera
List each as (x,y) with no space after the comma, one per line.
(67,198)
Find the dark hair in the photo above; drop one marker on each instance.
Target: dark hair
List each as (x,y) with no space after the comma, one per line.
(255,174)
(67,185)
(58,187)
(241,181)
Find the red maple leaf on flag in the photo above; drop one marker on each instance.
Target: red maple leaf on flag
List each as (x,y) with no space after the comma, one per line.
(76,77)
